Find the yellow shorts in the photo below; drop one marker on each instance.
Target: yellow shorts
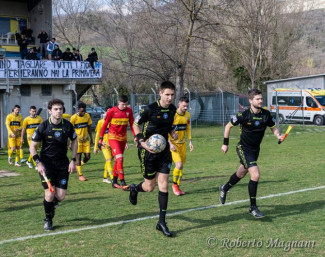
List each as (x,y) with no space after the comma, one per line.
(107,153)
(14,142)
(84,147)
(179,154)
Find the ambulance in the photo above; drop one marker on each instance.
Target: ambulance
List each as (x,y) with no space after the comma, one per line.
(298,105)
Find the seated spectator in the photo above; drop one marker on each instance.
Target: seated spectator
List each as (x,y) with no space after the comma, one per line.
(22,42)
(77,55)
(43,38)
(67,55)
(32,55)
(57,53)
(92,58)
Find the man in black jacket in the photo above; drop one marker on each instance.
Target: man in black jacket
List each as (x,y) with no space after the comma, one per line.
(32,55)
(43,38)
(67,55)
(57,53)
(22,42)
(92,58)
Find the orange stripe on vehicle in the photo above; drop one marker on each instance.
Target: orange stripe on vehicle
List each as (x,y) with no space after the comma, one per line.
(295,108)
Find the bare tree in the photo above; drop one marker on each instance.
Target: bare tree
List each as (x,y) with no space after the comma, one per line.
(69,20)
(258,35)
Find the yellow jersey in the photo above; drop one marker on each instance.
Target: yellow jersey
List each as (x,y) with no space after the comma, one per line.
(14,122)
(181,125)
(30,124)
(97,130)
(66,116)
(81,126)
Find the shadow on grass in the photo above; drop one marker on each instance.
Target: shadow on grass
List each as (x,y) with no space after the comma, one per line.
(278,211)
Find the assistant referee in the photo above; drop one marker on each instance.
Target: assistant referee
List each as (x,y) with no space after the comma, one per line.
(53,161)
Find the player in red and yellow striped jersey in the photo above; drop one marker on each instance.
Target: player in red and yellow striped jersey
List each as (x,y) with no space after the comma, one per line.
(106,149)
(14,122)
(119,116)
(181,126)
(29,125)
(82,125)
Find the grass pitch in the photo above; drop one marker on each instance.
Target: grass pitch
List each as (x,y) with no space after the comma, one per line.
(293,226)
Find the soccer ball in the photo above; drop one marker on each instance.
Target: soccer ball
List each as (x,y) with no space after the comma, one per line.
(157,143)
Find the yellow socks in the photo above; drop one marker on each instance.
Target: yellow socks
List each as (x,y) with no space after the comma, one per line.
(21,153)
(79,170)
(180,177)
(10,152)
(176,175)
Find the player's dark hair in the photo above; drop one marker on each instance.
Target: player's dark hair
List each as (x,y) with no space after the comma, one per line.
(123,98)
(167,85)
(54,102)
(17,106)
(253,92)
(183,99)
(33,107)
(81,105)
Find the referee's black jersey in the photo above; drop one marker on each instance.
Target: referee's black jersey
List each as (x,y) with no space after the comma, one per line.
(156,120)
(252,126)
(54,138)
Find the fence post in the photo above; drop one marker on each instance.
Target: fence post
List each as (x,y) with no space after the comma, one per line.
(189,99)
(223,111)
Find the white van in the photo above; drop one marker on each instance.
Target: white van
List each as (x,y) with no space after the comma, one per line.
(299,105)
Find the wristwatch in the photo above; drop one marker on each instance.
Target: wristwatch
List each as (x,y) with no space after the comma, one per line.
(37,161)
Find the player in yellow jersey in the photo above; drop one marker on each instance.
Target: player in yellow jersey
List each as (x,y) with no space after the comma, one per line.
(82,125)
(14,122)
(66,116)
(181,125)
(108,170)
(29,125)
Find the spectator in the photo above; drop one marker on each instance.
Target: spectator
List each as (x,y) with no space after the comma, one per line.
(43,38)
(77,55)
(32,55)
(57,53)
(22,42)
(50,47)
(92,58)
(67,55)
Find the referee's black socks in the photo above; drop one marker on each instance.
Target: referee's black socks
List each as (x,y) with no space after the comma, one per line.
(232,181)
(252,190)
(48,208)
(139,187)
(163,201)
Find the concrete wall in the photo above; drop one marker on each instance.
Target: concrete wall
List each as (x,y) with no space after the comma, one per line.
(36,99)
(18,10)
(41,18)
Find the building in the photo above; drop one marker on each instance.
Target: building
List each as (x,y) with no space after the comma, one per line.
(27,82)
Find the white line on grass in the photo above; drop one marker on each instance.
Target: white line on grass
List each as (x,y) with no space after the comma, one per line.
(154,216)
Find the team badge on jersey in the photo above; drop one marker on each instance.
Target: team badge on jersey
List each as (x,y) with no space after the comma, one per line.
(165,116)
(127,114)
(256,123)
(234,119)
(63,181)
(57,134)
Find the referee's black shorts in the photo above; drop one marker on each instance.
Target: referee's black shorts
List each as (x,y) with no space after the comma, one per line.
(56,172)
(247,156)
(153,163)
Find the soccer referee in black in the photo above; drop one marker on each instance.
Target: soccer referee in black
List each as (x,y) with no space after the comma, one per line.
(253,123)
(156,118)
(53,161)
